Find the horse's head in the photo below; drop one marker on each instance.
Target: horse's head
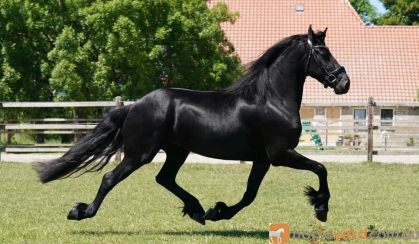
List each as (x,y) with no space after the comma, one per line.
(322,66)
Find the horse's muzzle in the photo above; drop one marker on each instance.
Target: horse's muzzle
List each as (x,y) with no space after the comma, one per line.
(342,87)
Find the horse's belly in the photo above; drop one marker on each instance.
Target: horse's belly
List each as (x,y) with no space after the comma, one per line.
(233,147)
(228,151)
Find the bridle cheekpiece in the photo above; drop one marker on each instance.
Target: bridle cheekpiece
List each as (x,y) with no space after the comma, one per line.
(330,77)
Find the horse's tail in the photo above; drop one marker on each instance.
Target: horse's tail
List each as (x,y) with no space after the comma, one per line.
(90,153)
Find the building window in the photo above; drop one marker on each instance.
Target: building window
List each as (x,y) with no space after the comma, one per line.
(360,117)
(386,117)
(307,113)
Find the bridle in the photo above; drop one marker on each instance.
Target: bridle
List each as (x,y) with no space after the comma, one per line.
(330,77)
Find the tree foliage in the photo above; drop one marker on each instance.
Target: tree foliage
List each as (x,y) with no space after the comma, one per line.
(365,10)
(24,38)
(400,12)
(92,50)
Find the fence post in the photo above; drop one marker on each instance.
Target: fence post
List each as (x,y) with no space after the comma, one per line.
(118,104)
(9,135)
(371,105)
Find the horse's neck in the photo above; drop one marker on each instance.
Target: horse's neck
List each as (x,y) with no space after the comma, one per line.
(286,76)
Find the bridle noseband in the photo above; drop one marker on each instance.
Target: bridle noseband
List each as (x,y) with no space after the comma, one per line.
(330,77)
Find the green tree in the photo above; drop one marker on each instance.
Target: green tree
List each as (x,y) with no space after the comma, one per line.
(400,12)
(90,50)
(25,32)
(365,10)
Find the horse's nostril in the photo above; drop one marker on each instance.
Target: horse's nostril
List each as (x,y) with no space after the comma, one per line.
(347,85)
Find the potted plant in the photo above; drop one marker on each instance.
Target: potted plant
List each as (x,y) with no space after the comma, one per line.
(347,139)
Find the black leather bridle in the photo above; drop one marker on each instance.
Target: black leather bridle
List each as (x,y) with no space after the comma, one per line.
(330,77)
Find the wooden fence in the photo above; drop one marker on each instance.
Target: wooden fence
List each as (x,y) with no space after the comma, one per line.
(367,137)
(50,126)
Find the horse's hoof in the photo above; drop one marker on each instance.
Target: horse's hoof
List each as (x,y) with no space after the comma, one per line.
(210,214)
(217,212)
(194,212)
(198,217)
(321,214)
(78,212)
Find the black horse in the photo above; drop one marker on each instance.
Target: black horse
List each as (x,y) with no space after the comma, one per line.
(256,119)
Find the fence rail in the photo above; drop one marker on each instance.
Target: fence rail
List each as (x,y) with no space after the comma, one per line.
(60,104)
(336,136)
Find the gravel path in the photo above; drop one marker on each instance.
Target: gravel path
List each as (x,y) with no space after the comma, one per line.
(195,158)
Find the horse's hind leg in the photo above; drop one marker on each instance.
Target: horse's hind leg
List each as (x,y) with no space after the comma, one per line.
(167,178)
(222,211)
(128,165)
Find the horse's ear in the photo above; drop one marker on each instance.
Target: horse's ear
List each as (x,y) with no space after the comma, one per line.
(311,34)
(322,35)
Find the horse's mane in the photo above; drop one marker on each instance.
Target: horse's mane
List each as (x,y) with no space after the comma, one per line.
(255,81)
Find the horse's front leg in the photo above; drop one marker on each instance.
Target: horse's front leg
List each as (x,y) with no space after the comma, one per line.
(222,211)
(167,178)
(320,198)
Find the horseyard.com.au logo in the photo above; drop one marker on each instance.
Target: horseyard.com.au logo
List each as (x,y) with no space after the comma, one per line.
(279,233)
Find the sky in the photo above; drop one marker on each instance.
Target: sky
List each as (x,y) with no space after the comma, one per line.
(378,5)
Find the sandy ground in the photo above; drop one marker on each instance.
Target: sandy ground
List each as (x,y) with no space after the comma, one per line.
(195,158)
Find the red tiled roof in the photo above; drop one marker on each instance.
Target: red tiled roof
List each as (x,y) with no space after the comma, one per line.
(382,61)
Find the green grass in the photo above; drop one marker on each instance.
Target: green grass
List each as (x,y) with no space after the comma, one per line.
(140,211)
